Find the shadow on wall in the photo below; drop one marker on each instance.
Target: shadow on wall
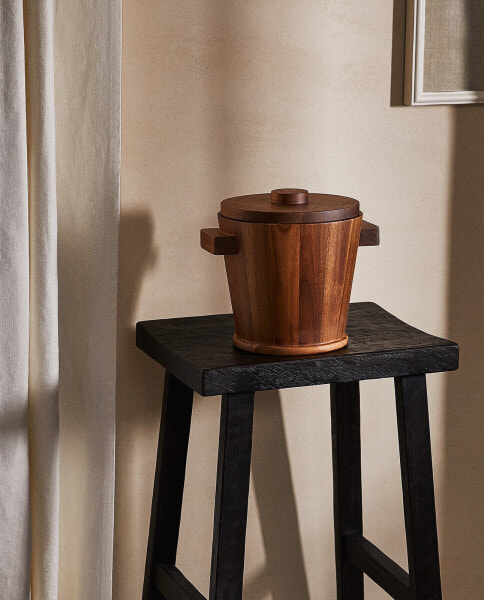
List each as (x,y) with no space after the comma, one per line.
(141,379)
(139,385)
(398,52)
(462,531)
(284,574)
(461,526)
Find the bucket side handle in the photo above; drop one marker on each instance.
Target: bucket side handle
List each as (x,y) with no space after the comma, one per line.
(370,234)
(216,241)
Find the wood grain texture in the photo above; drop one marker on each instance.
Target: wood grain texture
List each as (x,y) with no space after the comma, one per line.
(286,196)
(290,284)
(215,241)
(320,208)
(200,352)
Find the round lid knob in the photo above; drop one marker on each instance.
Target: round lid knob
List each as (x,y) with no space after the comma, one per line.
(289,196)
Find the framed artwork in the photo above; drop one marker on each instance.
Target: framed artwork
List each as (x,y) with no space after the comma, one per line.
(444,58)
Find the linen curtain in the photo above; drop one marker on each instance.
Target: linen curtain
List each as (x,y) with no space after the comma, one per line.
(59,215)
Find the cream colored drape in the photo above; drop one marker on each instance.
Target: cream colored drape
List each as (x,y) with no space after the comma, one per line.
(59,215)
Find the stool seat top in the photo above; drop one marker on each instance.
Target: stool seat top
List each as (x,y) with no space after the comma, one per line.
(199,352)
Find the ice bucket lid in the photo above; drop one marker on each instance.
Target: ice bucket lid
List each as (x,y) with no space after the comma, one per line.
(290,205)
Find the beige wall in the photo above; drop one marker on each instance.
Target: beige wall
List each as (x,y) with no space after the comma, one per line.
(224,97)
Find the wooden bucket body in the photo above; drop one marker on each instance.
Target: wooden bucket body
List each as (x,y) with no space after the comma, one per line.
(290,284)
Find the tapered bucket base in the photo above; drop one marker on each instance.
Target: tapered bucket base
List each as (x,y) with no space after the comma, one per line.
(288,350)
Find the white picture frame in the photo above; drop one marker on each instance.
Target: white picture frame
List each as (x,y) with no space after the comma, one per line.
(414,93)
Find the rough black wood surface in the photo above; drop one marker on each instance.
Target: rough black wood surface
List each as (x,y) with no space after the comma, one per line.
(418,487)
(173,585)
(199,351)
(231,497)
(169,480)
(348,518)
(377,565)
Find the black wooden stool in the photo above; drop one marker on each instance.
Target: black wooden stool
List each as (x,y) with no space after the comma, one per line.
(198,354)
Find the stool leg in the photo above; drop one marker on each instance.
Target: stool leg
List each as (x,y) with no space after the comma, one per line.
(418,487)
(345,428)
(230,518)
(169,480)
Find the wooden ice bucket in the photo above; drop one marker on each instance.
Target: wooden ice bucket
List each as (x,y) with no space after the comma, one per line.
(290,258)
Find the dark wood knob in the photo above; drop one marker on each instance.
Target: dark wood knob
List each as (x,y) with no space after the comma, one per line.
(289,196)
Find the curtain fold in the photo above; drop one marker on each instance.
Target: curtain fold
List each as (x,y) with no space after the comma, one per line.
(59,215)
(88,68)
(43,346)
(14,310)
